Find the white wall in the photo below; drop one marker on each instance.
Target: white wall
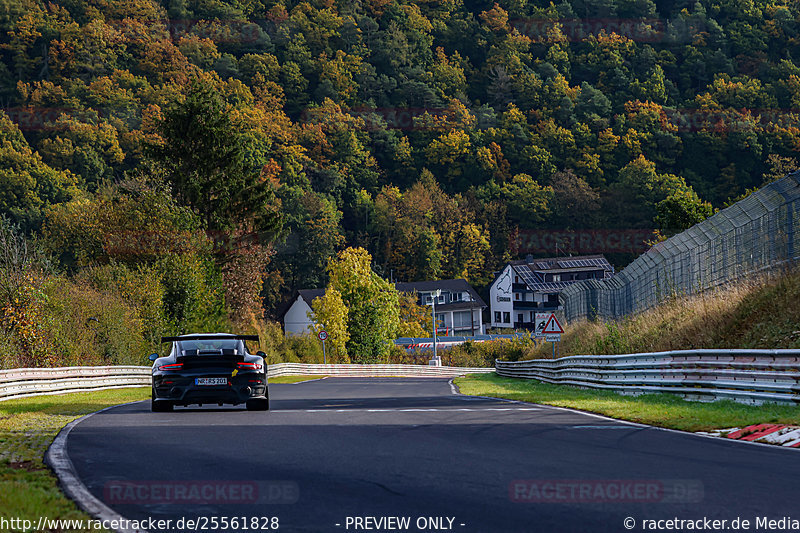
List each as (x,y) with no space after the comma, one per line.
(501,298)
(296,321)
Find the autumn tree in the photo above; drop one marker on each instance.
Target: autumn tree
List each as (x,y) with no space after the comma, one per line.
(372,305)
(209,163)
(331,314)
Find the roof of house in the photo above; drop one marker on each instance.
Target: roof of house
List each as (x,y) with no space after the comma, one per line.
(309,294)
(452,285)
(308,297)
(532,271)
(581,262)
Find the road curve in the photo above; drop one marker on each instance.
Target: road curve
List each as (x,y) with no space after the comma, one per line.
(342,454)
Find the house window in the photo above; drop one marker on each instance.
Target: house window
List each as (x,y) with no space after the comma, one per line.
(462,319)
(457,297)
(519,318)
(556,277)
(507,318)
(516,296)
(516,279)
(497,317)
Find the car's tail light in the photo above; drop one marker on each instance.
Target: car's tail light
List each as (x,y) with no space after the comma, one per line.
(173,366)
(250,366)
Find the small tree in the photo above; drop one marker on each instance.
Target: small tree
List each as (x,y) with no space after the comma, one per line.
(372,305)
(330,313)
(413,317)
(681,210)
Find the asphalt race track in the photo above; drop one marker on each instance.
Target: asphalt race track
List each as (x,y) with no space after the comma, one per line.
(332,453)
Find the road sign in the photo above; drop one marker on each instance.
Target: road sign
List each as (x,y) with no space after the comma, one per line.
(553,337)
(552,327)
(322,335)
(541,320)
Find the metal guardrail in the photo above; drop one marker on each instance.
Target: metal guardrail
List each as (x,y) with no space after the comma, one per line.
(747,376)
(422,371)
(751,236)
(22,382)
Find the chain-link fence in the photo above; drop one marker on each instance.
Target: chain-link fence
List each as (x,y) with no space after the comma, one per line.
(752,235)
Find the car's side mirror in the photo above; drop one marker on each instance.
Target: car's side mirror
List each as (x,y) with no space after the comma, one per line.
(261,354)
(153,356)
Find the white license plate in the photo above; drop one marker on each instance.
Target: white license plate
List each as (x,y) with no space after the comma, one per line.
(211,381)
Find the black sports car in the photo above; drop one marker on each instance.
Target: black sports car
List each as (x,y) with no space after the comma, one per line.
(210,368)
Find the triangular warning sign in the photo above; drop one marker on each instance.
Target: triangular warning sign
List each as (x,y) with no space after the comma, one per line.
(552,327)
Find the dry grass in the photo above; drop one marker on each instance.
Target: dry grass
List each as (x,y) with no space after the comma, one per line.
(761,312)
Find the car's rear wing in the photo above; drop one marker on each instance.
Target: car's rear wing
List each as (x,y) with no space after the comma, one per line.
(210,337)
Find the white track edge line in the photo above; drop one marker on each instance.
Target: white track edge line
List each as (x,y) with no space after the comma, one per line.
(306,381)
(58,460)
(636,424)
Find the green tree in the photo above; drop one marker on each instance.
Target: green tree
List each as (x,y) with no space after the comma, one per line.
(414,318)
(28,185)
(210,164)
(681,210)
(372,305)
(331,314)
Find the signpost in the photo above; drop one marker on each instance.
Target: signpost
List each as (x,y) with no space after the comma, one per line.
(434,295)
(552,331)
(322,335)
(539,323)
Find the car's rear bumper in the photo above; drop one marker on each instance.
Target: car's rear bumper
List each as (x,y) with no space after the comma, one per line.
(180,389)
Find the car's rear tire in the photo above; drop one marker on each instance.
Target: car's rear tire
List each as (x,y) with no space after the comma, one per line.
(159,406)
(258,404)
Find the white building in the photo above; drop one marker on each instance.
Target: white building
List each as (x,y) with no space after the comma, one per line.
(459,309)
(523,288)
(296,320)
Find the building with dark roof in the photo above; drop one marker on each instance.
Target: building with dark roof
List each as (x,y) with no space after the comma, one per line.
(524,288)
(295,319)
(459,308)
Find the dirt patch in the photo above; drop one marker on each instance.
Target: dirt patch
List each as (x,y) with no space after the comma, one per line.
(28,466)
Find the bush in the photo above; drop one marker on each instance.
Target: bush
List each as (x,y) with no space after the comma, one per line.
(193,296)
(141,288)
(88,326)
(286,349)
(469,354)
(484,354)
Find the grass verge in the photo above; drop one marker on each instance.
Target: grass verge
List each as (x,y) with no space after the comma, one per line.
(293,379)
(663,410)
(28,489)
